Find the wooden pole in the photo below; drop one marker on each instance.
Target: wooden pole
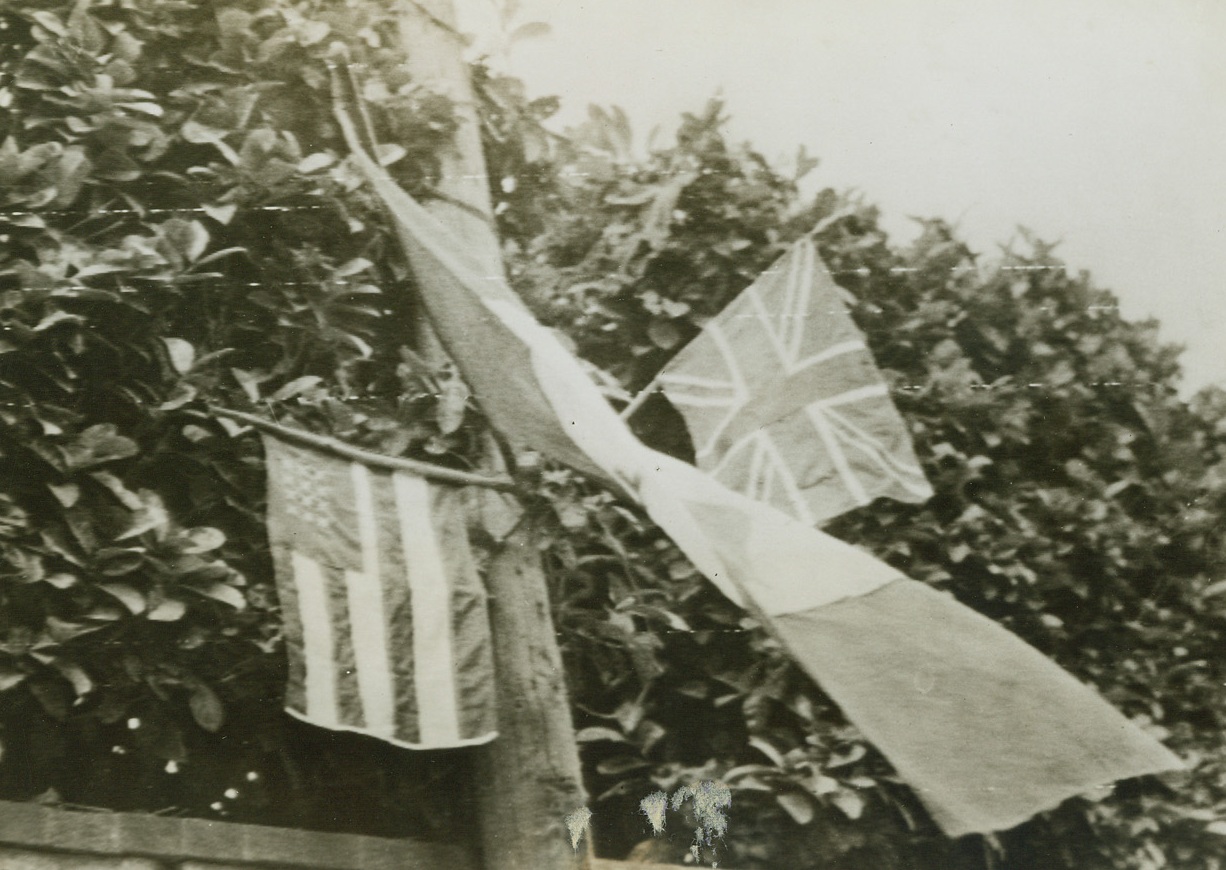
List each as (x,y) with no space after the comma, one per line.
(366,457)
(529,779)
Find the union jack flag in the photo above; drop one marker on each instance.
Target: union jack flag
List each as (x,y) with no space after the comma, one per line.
(784,403)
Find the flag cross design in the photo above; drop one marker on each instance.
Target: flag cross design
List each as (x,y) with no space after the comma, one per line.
(385,617)
(784,402)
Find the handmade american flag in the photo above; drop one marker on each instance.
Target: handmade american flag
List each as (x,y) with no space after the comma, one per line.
(783,401)
(385,616)
(985,728)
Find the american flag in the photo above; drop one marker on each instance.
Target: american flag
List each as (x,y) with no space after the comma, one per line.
(784,403)
(385,616)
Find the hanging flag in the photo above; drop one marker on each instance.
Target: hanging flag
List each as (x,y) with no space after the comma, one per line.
(783,401)
(842,614)
(986,730)
(385,617)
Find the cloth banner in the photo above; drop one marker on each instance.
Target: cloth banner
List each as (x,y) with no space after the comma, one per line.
(537,395)
(385,616)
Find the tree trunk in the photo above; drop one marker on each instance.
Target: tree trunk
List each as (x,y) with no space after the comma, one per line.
(529,779)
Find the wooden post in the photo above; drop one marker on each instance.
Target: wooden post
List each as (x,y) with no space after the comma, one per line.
(529,779)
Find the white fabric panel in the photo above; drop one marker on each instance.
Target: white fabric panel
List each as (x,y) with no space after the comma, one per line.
(318,640)
(367,618)
(431,597)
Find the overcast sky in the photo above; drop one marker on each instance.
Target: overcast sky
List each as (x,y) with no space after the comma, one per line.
(1101,123)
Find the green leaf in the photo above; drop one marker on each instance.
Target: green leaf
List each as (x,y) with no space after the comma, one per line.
(639,197)
(62,631)
(296,387)
(116,487)
(389,153)
(598,734)
(76,676)
(60,580)
(234,22)
(664,334)
(30,567)
(849,802)
(202,134)
(353,267)
(50,22)
(189,239)
(55,318)
(167,610)
(182,394)
(98,444)
(768,750)
(117,561)
(206,708)
(202,539)
(571,515)
(127,595)
(73,171)
(620,765)
(11,677)
(797,805)
(316,162)
(221,592)
(181,354)
(222,213)
(854,754)
(1214,589)
(820,785)
(151,516)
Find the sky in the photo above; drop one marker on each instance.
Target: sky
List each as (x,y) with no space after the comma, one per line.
(1097,123)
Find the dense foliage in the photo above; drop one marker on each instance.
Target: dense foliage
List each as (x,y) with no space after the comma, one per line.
(1078,502)
(180,230)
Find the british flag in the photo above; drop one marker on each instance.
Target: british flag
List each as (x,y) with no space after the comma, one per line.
(784,403)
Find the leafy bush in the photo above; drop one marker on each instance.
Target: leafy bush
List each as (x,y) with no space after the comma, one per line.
(179,231)
(1078,503)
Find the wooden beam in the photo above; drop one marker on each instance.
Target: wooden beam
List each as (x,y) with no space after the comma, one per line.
(529,779)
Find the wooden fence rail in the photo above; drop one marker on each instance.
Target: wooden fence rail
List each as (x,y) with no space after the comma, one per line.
(34,837)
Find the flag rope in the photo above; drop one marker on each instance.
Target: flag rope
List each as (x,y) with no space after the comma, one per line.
(640,398)
(377,460)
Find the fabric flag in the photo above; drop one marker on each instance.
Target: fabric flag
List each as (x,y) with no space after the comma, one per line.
(783,401)
(385,616)
(1033,737)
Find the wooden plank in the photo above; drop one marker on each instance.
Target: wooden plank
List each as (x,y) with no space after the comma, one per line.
(51,831)
(529,779)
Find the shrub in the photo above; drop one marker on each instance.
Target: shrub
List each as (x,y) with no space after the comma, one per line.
(179,232)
